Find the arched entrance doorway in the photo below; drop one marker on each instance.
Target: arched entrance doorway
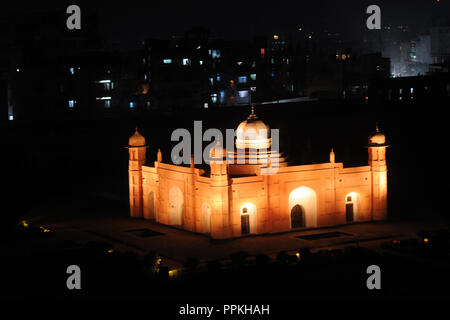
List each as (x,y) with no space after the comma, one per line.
(248,219)
(351,207)
(176,206)
(297,217)
(206,215)
(306,200)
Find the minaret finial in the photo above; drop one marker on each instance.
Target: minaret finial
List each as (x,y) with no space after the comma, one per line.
(332,156)
(376,127)
(252,114)
(159,156)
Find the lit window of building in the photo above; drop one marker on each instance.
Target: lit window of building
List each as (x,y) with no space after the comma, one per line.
(201,62)
(211,81)
(253,76)
(205,105)
(218,77)
(253,89)
(242,79)
(71,103)
(132,105)
(243,94)
(186,62)
(215,53)
(214,98)
(107,104)
(222,96)
(72,70)
(167,61)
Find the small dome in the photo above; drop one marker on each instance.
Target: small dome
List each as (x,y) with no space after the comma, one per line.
(252,129)
(377,138)
(136,140)
(218,152)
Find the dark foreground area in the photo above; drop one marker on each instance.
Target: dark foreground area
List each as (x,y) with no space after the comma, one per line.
(415,268)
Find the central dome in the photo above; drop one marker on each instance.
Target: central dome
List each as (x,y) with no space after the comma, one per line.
(252,133)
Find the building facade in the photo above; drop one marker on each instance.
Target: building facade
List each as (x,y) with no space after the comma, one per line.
(232,200)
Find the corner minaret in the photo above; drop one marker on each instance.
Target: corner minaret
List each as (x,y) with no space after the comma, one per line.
(137,152)
(220,185)
(377,161)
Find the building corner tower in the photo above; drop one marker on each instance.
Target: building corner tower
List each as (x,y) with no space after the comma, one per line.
(220,185)
(137,152)
(378,168)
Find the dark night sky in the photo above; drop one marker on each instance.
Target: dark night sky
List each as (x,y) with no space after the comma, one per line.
(127,22)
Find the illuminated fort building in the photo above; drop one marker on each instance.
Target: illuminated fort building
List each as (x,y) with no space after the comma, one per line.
(232,200)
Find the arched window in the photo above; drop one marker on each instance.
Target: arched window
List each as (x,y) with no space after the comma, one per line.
(206,214)
(248,219)
(352,207)
(176,206)
(151,205)
(349,211)
(245,224)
